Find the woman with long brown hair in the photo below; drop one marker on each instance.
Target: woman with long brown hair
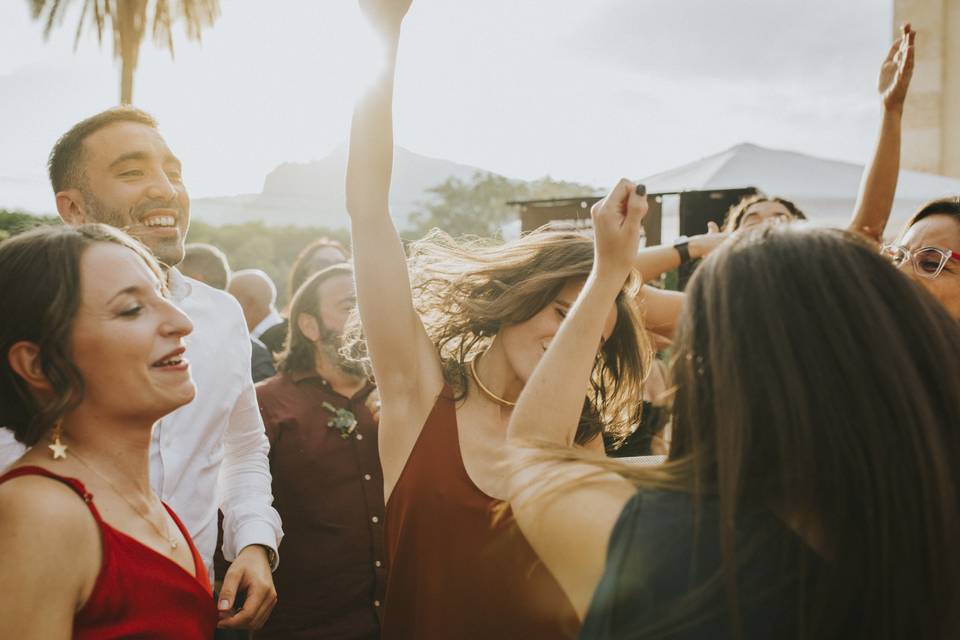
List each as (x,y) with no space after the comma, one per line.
(811,490)
(451,342)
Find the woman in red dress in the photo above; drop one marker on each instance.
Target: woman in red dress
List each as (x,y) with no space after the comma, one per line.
(91,358)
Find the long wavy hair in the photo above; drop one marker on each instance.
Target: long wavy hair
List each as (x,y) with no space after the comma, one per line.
(466,290)
(828,393)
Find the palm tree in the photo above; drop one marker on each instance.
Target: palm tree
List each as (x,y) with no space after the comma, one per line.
(128,20)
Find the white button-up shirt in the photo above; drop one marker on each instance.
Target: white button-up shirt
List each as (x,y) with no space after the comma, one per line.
(212,452)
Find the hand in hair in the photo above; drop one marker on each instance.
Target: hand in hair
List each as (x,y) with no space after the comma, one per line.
(617,225)
(385,15)
(897,70)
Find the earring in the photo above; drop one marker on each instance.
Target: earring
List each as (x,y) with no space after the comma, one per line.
(56,445)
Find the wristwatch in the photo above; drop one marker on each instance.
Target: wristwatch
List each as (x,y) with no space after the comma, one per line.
(271,555)
(682,245)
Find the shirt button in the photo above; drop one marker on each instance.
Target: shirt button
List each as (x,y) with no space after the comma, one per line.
(374,519)
(367,476)
(376,603)
(377,563)
(359,436)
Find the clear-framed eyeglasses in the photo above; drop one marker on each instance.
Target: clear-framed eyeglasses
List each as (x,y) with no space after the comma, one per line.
(928,262)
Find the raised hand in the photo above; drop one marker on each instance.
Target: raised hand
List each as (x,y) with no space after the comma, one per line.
(897,70)
(703,244)
(617,226)
(385,15)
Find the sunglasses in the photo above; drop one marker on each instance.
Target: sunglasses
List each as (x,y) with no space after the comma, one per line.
(927,262)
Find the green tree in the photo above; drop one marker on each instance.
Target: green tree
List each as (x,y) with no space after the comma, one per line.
(14,222)
(479,206)
(256,246)
(128,21)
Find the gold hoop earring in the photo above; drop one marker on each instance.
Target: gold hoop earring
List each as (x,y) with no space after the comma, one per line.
(56,445)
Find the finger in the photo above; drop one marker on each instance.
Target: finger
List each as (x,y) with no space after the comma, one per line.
(269,602)
(712,227)
(637,207)
(244,618)
(893,50)
(228,592)
(905,73)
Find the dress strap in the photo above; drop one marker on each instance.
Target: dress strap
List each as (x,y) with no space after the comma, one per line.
(73,483)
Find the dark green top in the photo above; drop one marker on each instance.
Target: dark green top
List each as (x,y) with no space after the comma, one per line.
(656,565)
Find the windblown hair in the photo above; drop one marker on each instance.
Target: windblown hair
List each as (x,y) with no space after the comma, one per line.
(467,290)
(828,393)
(66,158)
(738,211)
(39,297)
(299,353)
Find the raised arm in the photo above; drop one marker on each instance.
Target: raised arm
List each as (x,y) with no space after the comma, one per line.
(566,509)
(879,183)
(399,349)
(653,262)
(405,362)
(661,309)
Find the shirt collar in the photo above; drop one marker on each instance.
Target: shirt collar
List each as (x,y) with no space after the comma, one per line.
(300,376)
(178,285)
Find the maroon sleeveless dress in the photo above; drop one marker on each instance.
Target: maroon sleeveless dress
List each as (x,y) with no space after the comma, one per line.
(453,571)
(139,593)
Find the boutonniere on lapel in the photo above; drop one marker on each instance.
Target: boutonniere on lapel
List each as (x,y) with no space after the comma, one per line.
(343,420)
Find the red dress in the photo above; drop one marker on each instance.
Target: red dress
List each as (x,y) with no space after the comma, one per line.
(139,593)
(454,570)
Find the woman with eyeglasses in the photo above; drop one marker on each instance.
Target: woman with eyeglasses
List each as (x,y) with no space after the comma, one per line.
(929,251)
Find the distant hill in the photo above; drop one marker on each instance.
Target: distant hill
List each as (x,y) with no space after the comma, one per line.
(312,193)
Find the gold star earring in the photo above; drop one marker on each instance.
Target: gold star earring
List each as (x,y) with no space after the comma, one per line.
(56,445)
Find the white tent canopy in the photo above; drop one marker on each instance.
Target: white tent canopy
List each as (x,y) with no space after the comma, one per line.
(824,189)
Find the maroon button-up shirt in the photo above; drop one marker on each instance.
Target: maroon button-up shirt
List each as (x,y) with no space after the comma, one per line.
(329,492)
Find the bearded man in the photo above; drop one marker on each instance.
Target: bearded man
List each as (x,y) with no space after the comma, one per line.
(320,414)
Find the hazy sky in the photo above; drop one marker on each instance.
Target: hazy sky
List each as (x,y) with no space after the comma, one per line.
(586,90)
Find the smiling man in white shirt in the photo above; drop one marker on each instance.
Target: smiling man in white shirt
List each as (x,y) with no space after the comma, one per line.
(115,168)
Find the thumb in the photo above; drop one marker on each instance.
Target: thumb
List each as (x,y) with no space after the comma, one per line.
(712,227)
(228,592)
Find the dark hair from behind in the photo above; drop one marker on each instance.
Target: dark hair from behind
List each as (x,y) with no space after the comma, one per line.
(737,212)
(40,282)
(815,380)
(65,164)
(307,263)
(206,263)
(941,206)
(298,354)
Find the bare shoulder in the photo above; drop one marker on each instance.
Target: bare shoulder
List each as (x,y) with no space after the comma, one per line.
(48,537)
(47,522)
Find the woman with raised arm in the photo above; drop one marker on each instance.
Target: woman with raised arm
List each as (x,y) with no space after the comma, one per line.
(92,356)
(451,343)
(878,186)
(813,485)
(871,211)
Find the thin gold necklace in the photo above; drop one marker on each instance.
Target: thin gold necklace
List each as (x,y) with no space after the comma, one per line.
(487,392)
(168,536)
